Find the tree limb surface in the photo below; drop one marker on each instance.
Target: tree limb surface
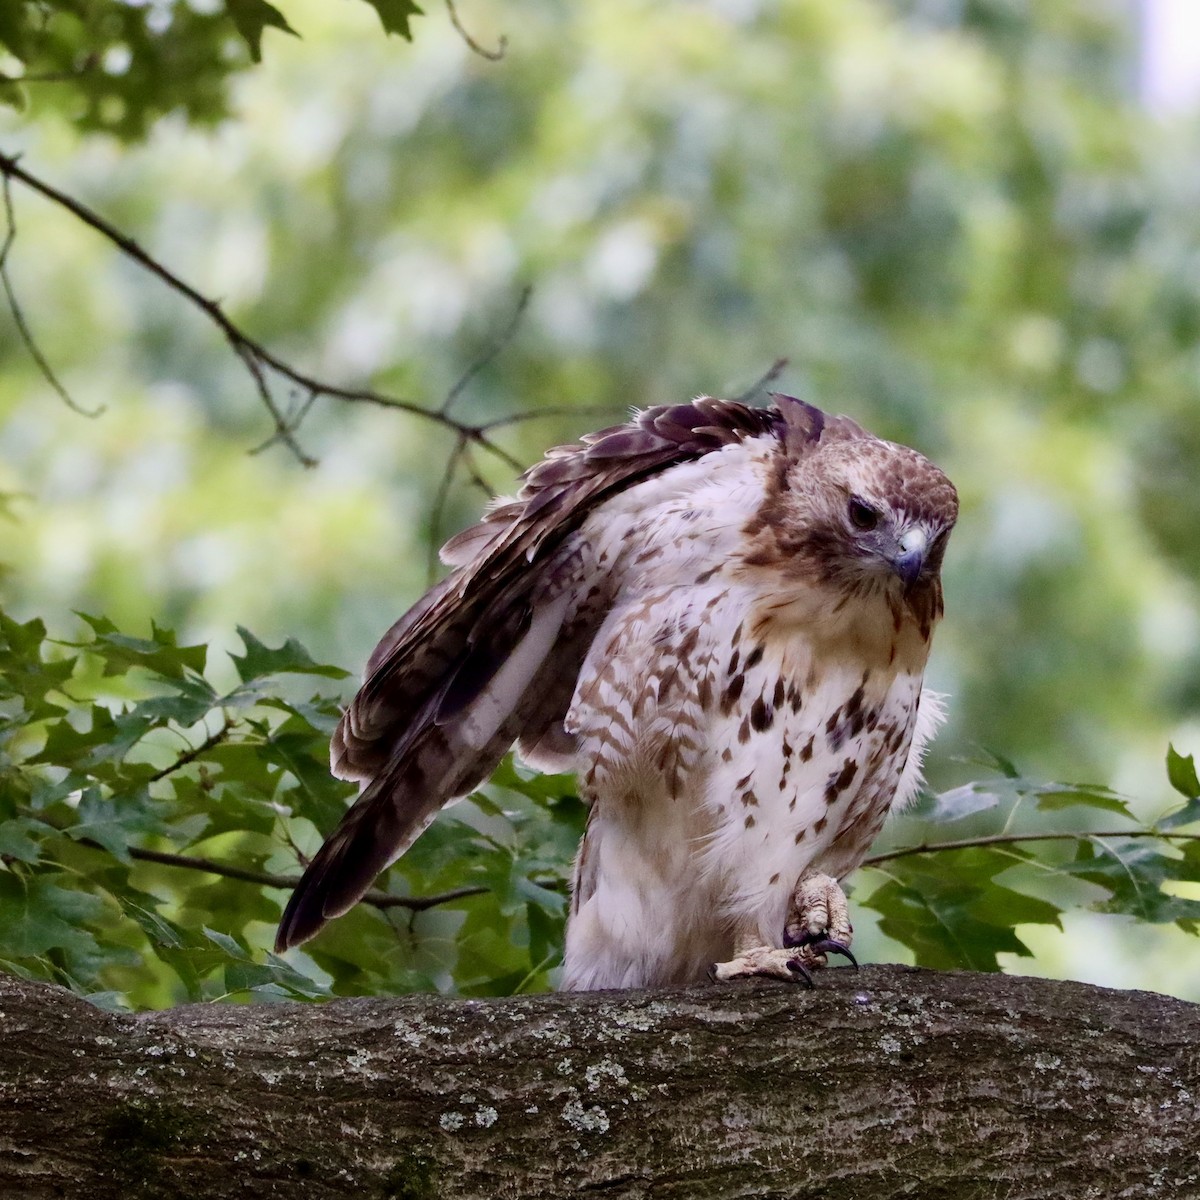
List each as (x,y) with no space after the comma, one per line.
(881,1083)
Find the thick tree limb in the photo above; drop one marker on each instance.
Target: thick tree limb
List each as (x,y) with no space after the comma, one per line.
(887,1082)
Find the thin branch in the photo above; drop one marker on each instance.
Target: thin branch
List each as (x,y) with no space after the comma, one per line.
(761,384)
(18,314)
(536,414)
(491,55)
(195,752)
(259,361)
(209,866)
(438,510)
(475,475)
(1007,839)
(501,341)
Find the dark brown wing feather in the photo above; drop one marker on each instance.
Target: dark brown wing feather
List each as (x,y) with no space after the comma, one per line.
(406,735)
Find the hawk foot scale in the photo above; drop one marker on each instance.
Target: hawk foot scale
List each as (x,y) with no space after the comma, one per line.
(818,924)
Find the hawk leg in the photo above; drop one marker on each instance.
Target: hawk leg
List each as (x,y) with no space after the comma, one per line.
(818,924)
(818,921)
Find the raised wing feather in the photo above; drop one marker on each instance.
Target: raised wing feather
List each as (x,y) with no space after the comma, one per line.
(492,652)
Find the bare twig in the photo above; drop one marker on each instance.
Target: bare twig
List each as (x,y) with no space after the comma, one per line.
(475,475)
(492,55)
(195,752)
(260,362)
(1008,839)
(438,509)
(761,384)
(209,866)
(502,339)
(536,414)
(19,316)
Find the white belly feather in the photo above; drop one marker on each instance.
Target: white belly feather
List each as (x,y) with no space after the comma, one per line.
(713,789)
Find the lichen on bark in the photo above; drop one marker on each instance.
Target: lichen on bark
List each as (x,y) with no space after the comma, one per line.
(885,1082)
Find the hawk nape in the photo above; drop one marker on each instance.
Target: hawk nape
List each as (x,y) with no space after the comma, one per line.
(719,617)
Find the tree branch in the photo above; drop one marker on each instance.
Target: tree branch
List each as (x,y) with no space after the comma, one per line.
(1008,839)
(876,1084)
(195,752)
(260,362)
(18,314)
(491,55)
(505,336)
(191,862)
(764,381)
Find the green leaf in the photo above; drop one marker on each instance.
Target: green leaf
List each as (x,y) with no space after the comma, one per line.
(37,916)
(1182,774)
(974,798)
(1054,796)
(14,95)
(253,16)
(961,802)
(159,653)
(189,701)
(13,14)
(107,739)
(396,14)
(950,911)
(1133,873)
(22,838)
(290,658)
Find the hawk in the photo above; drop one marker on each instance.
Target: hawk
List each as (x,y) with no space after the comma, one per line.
(718,616)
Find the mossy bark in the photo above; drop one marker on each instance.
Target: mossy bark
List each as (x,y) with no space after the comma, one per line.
(886,1082)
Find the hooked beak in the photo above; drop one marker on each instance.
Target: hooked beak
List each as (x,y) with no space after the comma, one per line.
(913,547)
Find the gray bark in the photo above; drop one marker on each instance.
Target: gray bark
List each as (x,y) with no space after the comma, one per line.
(886,1082)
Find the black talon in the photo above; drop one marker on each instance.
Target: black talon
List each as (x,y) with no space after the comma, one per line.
(818,943)
(829,946)
(798,968)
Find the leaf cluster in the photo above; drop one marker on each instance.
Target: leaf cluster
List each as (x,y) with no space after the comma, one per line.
(115,66)
(151,824)
(1023,859)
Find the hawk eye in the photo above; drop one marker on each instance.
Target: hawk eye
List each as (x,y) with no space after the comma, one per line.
(862,515)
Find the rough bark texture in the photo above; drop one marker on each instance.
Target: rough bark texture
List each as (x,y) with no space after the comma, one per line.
(886,1082)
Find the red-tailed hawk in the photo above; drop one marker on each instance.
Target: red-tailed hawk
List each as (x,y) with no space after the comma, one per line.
(719,617)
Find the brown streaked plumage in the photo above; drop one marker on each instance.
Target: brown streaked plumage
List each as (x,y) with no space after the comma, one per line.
(719,616)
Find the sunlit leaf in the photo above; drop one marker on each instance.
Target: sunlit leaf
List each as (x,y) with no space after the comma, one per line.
(1133,873)
(961,802)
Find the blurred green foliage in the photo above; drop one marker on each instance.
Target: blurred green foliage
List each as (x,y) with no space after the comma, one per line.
(951,215)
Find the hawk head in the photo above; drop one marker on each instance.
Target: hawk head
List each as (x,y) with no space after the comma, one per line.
(876,515)
(853,515)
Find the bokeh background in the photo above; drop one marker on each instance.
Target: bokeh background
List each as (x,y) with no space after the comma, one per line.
(971,224)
